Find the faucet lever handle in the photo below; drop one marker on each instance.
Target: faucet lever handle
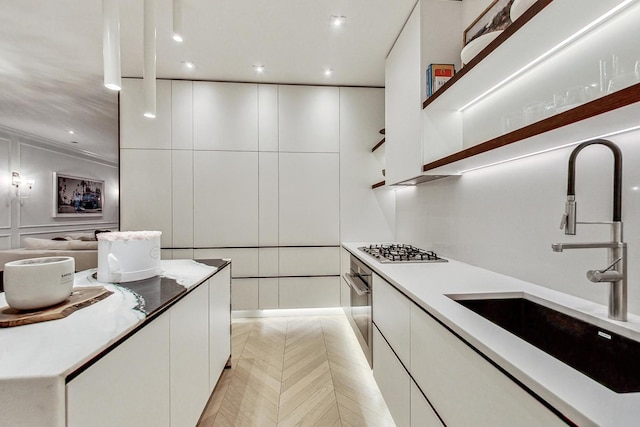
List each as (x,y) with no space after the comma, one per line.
(563,221)
(612,265)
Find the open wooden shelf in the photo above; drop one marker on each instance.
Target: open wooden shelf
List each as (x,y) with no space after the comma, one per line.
(619,99)
(378,145)
(508,32)
(378,184)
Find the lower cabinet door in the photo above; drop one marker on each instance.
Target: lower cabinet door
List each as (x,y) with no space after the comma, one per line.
(127,387)
(466,389)
(190,357)
(392,379)
(422,414)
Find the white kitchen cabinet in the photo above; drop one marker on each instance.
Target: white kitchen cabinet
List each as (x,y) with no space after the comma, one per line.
(268,262)
(137,131)
(309,193)
(392,379)
(422,414)
(268,293)
(145,202)
(309,292)
(268,117)
(431,35)
(130,386)
(316,261)
(403,102)
(392,315)
(465,388)
(182,198)
(189,337)
(245,260)
(309,119)
(245,294)
(225,198)
(181,115)
(219,324)
(268,199)
(225,116)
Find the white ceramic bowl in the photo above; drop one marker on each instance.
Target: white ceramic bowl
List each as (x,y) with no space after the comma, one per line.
(476,45)
(518,7)
(35,283)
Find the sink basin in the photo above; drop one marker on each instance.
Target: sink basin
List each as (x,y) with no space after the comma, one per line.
(604,356)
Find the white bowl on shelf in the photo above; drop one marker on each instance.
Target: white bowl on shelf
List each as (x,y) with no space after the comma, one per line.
(476,45)
(35,283)
(518,7)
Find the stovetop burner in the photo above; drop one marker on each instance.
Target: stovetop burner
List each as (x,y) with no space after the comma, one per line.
(396,252)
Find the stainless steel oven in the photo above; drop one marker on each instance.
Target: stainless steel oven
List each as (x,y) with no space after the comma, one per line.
(360,280)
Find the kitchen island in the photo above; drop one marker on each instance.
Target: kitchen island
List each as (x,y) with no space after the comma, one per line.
(426,318)
(138,351)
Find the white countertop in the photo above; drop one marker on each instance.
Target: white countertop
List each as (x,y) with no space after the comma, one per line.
(572,393)
(56,348)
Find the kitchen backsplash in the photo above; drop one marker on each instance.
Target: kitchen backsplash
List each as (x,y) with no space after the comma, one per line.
(505,218)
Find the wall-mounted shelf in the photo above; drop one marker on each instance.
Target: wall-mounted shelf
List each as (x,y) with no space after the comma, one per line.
(618,100)
(378,145)
(540,56)
(506,34)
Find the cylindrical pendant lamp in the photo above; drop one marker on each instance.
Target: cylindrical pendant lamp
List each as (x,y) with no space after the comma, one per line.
(149,66)
(177,20)
(111,44)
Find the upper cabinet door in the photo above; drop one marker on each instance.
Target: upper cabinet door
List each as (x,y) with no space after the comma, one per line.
(403,104)
(181,115)
(225,116)
(225,201)
(137,131)
(309,189)
(309,119)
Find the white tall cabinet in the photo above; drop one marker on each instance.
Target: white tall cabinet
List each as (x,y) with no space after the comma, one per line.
(253,172)
(430,35)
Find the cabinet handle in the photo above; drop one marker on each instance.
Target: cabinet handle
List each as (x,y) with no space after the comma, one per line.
(357,284)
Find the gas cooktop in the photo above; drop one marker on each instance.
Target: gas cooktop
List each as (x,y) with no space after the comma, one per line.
(395,252)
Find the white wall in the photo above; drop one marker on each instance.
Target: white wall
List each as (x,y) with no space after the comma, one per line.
(36,158)
(505,218)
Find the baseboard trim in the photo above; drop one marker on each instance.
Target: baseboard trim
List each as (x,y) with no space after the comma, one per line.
(285,312)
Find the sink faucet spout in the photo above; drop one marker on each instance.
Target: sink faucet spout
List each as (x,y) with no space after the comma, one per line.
(617,248)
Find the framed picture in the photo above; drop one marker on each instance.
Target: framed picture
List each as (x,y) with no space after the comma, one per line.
(494,18)
(74,196)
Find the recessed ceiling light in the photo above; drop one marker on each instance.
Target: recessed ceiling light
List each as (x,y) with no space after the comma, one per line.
(178,38)
(189,64)
(328,72)
(259,68)
(71,131)
(337,20)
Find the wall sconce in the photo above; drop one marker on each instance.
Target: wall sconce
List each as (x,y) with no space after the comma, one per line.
(23,186)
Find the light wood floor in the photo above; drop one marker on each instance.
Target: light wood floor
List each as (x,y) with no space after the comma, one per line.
(296,371)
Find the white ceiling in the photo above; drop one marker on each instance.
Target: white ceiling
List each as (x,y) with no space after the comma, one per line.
(51,54)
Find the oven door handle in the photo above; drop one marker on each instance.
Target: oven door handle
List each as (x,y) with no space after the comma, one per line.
(357,284)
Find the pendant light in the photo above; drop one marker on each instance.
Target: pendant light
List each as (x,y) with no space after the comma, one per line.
(177,20)
(149,66)
(111,44)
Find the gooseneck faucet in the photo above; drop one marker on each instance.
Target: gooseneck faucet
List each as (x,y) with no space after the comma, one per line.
(616,273)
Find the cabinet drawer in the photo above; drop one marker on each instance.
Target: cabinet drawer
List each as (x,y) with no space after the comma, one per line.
(391,314)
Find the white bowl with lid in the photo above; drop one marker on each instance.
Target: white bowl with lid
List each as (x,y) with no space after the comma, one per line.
(35,283)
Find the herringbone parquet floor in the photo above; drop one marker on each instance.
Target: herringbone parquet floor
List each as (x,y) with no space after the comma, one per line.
(296,371)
